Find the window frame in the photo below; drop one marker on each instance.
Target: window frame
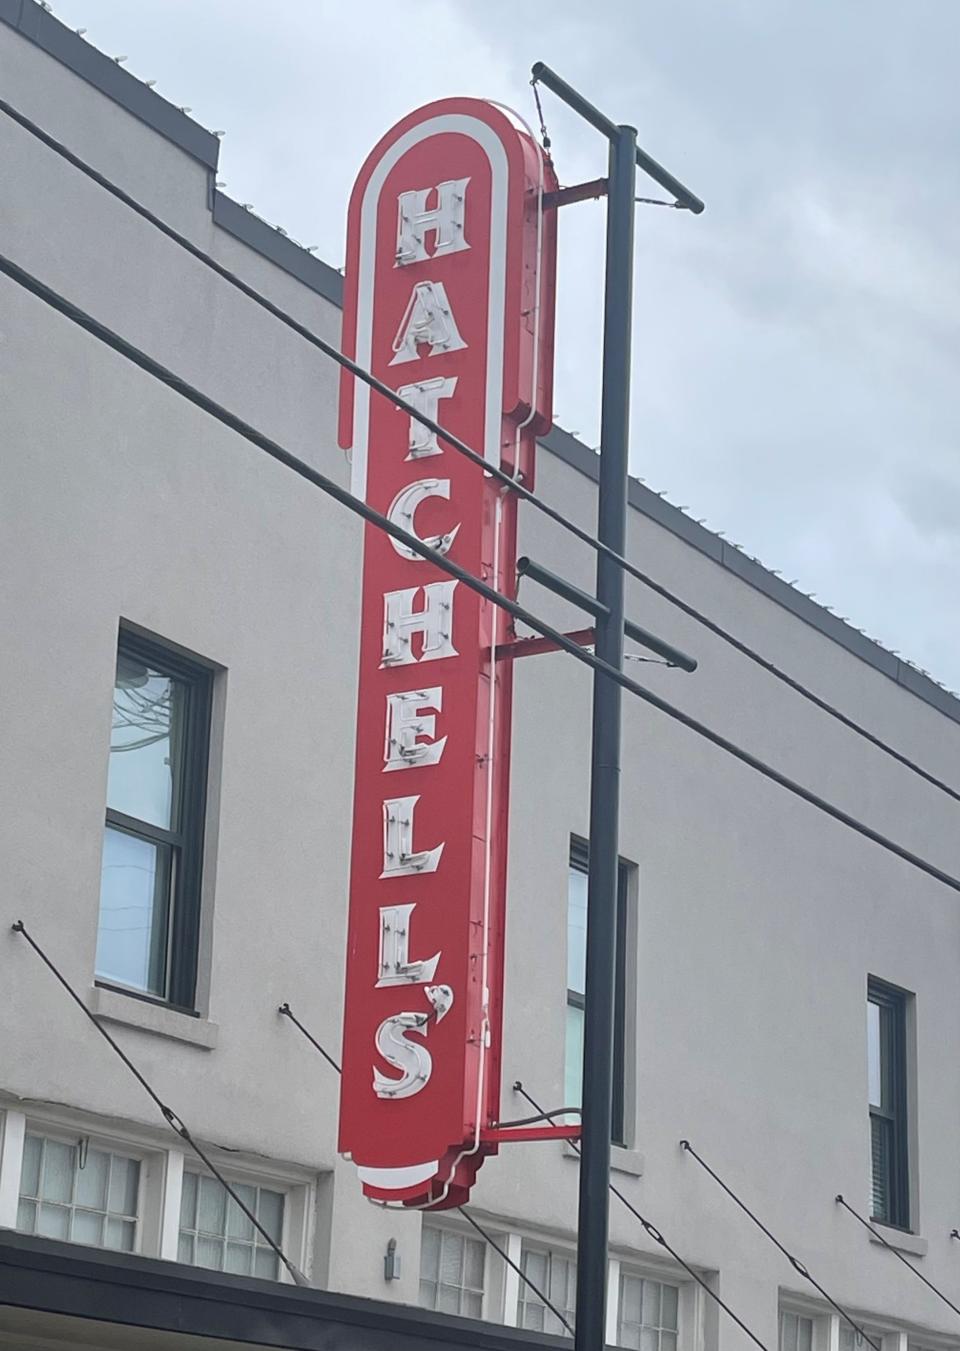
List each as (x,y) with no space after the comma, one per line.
(808,1316)
(579,861)
(894,1000)
(449,1231)
(257,1243)
(625,1272)
(107,1144)
(525,1295)
(506,1304)
(162,1166)
(187,841)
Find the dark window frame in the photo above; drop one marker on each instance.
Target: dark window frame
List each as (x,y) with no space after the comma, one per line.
(187,841)
(893,1063)
(580,861)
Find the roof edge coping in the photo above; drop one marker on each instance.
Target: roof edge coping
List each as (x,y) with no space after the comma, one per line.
(652,505)
(45,30)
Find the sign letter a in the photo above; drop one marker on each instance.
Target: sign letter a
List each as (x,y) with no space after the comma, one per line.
(428,319)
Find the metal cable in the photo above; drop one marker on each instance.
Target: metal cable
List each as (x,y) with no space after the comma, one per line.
(896,1252)
(544,134)
(524,493)
(285,1010)
(541,1116)
(656,1235)
(369,514)
(795,1262)
(169,1115)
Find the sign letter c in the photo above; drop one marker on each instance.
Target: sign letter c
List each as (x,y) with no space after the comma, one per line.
(403,509)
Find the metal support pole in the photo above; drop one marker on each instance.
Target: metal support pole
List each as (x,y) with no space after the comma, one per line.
(605,767)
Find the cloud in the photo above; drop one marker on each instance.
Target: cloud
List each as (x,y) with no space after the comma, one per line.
(796,346)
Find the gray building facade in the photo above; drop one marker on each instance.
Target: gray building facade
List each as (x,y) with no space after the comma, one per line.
(790,1001)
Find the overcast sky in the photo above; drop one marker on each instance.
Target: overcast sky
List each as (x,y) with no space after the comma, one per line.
(797,352)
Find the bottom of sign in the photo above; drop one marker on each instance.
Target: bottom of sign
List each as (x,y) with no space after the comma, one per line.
(441,1184)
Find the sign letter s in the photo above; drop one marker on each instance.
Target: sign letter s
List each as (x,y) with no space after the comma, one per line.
(410,1057)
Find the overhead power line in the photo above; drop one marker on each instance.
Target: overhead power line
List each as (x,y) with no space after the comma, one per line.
(287,1012)
(654,1232)
(285,457)
(314,339)
(795,1262)
(791,682)
(457,444)
(896,1252)
(342,495)
(175,1122)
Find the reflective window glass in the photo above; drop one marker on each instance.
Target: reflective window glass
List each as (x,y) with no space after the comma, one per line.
(576,930)
(648,1314)
(874,1076)
(215,1233)
(135,879)
(555,1275)
(79,1193)
(576,989)
(452,1268)
(145,743)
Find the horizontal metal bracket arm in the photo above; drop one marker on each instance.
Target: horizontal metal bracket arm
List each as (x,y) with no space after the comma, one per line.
(505,1135)
(533,647)
(527,567)
(684,197)
(578,192)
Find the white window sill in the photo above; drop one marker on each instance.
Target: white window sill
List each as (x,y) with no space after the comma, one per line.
(629,1161)
(896,1238)
(112,1006)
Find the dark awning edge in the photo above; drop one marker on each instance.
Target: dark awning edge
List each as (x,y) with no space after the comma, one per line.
(142,1292)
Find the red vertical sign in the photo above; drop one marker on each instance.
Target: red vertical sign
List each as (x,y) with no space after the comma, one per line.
(449,300)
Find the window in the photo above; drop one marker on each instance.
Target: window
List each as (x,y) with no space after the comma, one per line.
(156,797)
(887,1082)
(556,1276)
(76,1192)
(796,1332)
(647,1318)
(451,1272)
(215,1233)
(576,983)
(850,1340)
